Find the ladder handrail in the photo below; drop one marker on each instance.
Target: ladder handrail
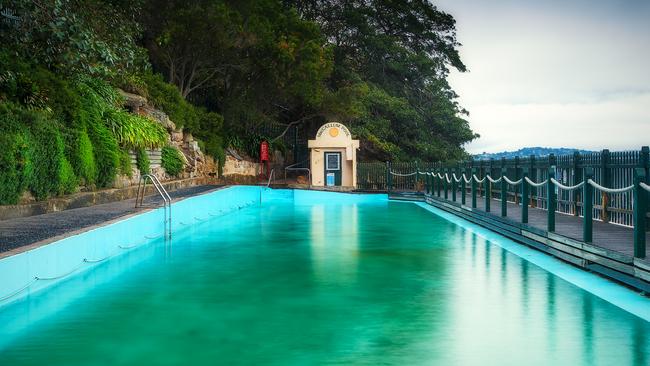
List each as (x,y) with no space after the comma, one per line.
(271,175)
(167,200)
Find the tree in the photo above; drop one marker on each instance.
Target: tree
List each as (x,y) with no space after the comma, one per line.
(401,51)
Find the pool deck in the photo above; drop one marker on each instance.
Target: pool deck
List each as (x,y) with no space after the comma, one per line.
(610,253)
(24,233)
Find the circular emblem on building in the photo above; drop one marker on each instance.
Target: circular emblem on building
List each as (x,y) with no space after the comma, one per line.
(334,131)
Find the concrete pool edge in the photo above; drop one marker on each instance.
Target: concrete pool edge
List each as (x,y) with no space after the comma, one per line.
(63,256)
(607,290)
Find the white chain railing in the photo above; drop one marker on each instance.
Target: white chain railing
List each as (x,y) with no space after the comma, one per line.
(609,190)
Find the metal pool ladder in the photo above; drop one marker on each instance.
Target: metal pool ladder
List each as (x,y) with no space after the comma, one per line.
(167,200)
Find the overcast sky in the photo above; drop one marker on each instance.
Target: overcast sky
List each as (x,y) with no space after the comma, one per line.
(573,73)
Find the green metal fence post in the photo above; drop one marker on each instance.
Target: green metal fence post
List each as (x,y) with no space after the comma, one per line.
(504,193)
(488,193)
(473,188)
(439,180)
(551,203)
(417,176)
(645,164)
(640,208)
(532,174)
(577,178)
(454,187)
(445,183)
(389,177)
(606,181)
(517,176)
(524,197)
(587,206)
(463,189)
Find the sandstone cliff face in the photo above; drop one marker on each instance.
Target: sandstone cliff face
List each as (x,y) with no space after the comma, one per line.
(197,164)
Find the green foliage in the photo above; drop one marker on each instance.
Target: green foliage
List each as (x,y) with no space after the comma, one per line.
(70,36)
(52,171)
(37,88)
(125,163)
(172,161)
(16,157)
(168,98)
(142,161)
(134,131)
(79,152)
(67,180)
(106,152)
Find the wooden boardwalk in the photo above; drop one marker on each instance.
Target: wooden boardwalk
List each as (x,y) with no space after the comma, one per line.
(609,236)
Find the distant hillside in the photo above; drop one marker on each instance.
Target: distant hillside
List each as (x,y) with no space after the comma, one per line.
(527,151)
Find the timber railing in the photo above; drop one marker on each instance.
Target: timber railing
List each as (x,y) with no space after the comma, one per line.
(614,187)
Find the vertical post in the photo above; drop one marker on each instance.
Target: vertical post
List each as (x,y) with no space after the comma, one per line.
(517,176)
(587,206)
(439,180)
(463,190)
(445,183)
(389,177)
(532,174)
(417,176)
(640,208)
(454,187)
(577,174)
(504,193)
(524,197)
(426,184)
(645,164)
(606,174)
(488,193)
(551,200)
(473,188)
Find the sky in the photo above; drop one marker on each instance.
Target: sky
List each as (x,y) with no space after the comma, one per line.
(573,73)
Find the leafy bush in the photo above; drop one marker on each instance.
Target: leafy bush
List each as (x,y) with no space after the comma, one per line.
(125,163)
(142,161)
(37,88)
(135,131)
(168,98)
(79,151)
(52,172)
(16,165)
(172,161)
(67,180)
(106,153)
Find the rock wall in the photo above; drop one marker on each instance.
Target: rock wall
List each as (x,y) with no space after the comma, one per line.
(197,164)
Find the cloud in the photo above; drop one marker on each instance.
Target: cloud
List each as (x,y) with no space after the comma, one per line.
(554,73)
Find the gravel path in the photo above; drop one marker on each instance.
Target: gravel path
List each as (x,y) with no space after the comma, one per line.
(22,231)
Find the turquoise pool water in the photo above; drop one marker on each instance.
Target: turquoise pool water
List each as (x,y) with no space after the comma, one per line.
(326,279)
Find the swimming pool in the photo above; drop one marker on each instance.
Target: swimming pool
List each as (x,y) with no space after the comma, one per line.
(318,278)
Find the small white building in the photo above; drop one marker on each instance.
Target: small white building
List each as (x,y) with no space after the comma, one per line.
(333,155)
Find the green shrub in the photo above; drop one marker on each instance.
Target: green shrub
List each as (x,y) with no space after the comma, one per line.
(125,163)
(213,146)
(79,152)
(168,98)
(142,161)
(106,152)
(16,165)
(37,88)
(135,131)
(172,161)
(51,175)
(68,182)
(95,104)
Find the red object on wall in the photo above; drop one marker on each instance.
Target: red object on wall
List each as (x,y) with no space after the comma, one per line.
(264,151)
